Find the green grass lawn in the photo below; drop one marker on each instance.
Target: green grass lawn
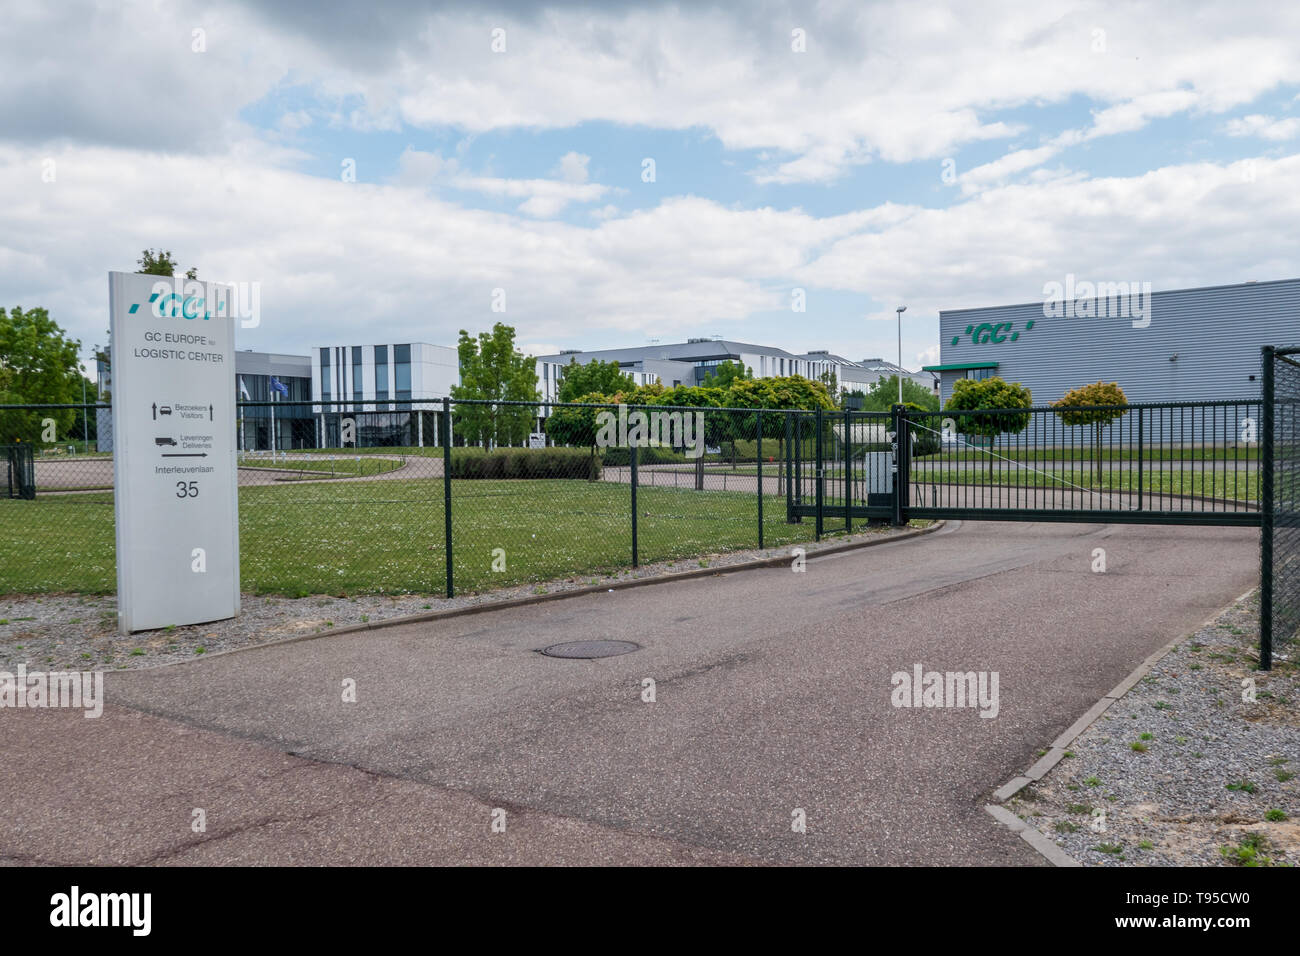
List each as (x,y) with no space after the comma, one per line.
(387,536)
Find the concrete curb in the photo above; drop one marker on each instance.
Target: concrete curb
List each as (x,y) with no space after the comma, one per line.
(531,599)
(1056,751)
(1054,854)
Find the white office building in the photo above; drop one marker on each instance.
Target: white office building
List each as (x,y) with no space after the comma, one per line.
(374,386)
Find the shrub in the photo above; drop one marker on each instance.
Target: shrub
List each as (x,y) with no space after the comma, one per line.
(521,463)
(649,455)
(925,441)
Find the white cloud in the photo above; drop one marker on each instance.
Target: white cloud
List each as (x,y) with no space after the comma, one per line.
(343,261)
(573,167)
(880,81)
(418,168)
(542,198)
(1263,127)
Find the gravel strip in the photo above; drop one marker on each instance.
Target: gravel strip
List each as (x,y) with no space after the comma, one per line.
(78,632)
(1207,768)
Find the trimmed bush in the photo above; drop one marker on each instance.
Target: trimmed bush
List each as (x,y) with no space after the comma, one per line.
(648,455)
(520,463)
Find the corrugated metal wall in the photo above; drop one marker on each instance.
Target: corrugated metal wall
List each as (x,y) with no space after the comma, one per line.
(1216,334)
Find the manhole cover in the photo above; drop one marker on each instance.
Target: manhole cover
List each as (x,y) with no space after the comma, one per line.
(585,650)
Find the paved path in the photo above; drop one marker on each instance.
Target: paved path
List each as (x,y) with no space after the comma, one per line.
(71,475)
(773,693)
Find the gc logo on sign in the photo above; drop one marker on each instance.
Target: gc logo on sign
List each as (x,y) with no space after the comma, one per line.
(240,300)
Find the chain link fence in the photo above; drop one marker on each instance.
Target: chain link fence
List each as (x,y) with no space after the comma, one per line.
(421,497)
(1280,537)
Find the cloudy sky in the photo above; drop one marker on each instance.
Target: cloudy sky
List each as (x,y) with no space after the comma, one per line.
(652,173)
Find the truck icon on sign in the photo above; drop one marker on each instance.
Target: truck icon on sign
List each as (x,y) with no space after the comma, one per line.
(165,441)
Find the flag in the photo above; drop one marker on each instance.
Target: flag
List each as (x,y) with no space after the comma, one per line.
(243,390)
(279,386)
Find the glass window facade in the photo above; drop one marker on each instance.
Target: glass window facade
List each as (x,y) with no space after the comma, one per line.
(381,371)
(402,371)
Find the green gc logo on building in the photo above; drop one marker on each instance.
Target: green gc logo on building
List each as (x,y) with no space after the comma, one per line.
(995,332)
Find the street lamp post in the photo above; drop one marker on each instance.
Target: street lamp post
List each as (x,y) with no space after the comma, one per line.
(900,310)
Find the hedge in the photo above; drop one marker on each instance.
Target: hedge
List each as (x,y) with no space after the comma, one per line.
(524,463)
(647,455)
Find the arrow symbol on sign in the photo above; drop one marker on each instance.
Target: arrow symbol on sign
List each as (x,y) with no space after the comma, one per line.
(155,411)
(201,454)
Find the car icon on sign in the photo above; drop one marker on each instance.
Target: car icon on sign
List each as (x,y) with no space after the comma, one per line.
(164,409)
(165,441)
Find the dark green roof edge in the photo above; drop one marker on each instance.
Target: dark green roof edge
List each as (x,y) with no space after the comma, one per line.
(955,366)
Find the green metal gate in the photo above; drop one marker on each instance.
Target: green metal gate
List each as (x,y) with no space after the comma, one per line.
(1154,463)
(841,467)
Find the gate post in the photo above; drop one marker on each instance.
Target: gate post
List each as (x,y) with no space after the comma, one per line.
(848,472)
(446,493)
(1139,462)
(758,460)
(818,476)
(902,437)
(790,516)
(632,460)
(1266,516)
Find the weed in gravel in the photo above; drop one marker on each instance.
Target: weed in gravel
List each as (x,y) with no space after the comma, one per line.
(1066,826)
(1242,786)
(1146,845)
(1112,848)
(1249,852)
(1093,781)
(1275,816)
(1138,747)
(1283,775)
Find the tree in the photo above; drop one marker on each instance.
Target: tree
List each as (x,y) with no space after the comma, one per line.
(577,426)
(603,378)
(38,365)
(492,370)
(1109,405)
(726,373)
(974,395)
(882,395)
(161,263)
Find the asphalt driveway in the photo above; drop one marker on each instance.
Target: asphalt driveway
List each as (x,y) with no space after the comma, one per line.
(772,695)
